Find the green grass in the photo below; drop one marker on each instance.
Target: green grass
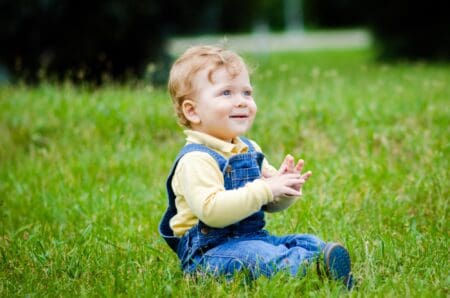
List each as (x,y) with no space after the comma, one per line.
(82,174)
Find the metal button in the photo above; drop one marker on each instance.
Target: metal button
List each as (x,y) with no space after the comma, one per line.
(204,231)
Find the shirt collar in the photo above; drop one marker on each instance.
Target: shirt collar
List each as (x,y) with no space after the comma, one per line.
(236,146)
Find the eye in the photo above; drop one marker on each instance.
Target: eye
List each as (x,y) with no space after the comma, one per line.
(247,93)
(226,92)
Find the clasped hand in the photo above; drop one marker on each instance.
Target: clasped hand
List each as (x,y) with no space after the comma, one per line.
(289,180)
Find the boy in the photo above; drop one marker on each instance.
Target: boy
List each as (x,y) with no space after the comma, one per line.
(221,184)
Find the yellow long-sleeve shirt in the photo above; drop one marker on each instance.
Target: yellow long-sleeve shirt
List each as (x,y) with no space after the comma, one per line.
(199,188)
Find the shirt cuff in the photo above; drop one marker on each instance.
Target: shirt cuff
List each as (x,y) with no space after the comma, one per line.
(265,190)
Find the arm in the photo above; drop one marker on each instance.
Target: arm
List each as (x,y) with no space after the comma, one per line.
(199,180)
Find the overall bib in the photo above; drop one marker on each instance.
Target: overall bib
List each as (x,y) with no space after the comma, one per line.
(242,246)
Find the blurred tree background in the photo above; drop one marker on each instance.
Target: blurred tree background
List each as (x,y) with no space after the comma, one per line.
(80,39)
(100,39)
(402,29)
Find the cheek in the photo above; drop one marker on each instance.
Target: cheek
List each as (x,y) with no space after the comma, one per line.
(253,108)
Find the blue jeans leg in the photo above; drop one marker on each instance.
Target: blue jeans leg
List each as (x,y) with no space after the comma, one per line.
(307,241)
(261,256)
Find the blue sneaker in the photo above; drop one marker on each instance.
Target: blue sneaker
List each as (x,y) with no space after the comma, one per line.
(338,264)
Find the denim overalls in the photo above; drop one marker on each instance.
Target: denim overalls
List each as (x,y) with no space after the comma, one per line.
(245,245)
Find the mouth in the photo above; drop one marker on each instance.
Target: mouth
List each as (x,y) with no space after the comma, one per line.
(238,116)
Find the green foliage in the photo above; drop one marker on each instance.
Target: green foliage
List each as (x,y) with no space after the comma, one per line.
(109,39)
(82,175)
(402,29)
(411,29)
(334,13)
(80,40)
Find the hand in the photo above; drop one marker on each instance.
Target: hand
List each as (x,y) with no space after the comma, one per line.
(288,184)
(288,167)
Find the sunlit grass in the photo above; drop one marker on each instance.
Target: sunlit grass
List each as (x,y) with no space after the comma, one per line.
(82,175)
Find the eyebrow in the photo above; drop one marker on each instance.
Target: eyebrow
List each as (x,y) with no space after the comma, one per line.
(228,86)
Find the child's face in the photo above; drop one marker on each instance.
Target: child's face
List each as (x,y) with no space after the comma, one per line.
(225,108)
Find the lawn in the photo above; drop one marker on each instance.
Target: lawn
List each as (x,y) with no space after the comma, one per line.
(82,174)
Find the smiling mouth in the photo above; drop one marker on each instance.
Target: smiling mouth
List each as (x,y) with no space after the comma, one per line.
(239,116)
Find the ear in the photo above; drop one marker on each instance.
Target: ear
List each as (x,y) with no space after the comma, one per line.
(189,111)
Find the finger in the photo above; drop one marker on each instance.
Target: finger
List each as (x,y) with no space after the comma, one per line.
(283,168)
(287,164)
(295,183)
(299,183)
(298,187)
(306,175)
(291,192)
(300,193)
(290,176)
(290,160)
(299,166)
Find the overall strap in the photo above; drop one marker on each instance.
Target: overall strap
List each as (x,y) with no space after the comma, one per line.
(164,226)
(251,148)
(190,148)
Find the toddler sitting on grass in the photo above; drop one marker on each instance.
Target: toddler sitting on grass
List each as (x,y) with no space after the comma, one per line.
(221,185)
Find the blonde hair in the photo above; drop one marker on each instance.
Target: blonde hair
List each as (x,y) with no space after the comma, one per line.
(197,58)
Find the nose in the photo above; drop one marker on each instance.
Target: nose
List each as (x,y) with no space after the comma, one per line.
(241,101)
